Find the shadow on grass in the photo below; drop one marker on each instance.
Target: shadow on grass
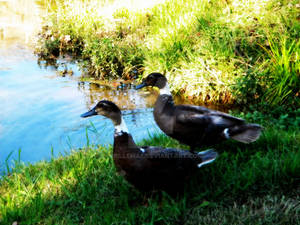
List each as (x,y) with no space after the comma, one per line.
(83,188)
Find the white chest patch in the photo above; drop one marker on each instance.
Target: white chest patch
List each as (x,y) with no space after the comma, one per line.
(121,127)
(165,90)
(142,150)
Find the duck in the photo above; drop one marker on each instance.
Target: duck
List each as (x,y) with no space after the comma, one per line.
(149,167)
(196,126)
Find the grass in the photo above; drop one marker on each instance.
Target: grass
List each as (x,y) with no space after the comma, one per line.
(245,52)
(284,71)
(210,50)
(248,184)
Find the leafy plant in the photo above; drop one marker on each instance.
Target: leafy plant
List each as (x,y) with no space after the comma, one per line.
(283,72)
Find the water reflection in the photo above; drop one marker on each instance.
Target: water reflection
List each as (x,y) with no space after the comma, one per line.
(123,94)
(41,109)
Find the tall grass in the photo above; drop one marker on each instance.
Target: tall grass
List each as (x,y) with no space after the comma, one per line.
(209,50)
(248,184)
(283,71)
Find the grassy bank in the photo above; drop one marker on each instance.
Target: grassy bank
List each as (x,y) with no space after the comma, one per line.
(211,50)
(245,52)
(248,184)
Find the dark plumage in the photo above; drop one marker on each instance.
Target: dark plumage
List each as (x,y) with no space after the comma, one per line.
(195,125)
(149,167)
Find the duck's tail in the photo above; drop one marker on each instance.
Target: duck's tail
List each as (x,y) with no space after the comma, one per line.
(245,133)
(207,156)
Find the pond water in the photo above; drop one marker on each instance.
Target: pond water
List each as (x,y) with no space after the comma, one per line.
(40,109)
(40,106)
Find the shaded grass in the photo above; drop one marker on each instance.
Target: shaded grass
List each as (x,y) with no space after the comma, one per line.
(256,183)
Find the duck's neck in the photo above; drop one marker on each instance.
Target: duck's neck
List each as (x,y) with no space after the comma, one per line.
(123,141)
(121,127)
(165,90)
(164,102)
(164,110)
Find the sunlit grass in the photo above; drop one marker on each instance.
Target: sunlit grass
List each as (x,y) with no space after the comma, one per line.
(206,48)
(284,71)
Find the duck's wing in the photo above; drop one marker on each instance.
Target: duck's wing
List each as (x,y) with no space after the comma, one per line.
(177,159)
(189,114)
(160,152)
(165,161)
(157,154)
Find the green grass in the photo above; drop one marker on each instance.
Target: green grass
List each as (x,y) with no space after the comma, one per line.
(245,52)
(247,184)
(210,50)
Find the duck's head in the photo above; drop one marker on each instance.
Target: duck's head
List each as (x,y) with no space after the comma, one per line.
(154,79)
(107,109)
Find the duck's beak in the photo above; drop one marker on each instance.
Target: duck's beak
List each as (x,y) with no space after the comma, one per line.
(140,86)
(92,112)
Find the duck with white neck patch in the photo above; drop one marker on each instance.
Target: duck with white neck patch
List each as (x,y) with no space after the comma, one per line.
(149,167)
(196,126)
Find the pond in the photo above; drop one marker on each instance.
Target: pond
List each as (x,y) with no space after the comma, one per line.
(40,109)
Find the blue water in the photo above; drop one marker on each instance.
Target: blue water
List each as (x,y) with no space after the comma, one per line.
(40,110)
